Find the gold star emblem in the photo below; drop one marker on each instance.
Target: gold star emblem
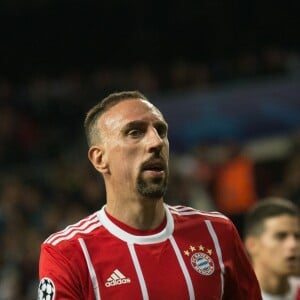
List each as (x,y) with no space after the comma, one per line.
(201,248)
(192,248)
(187,253)
(209,251)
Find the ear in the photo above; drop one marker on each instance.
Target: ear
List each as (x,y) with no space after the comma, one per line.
(97,158)
(252,245)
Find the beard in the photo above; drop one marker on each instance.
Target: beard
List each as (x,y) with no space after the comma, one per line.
(152,188)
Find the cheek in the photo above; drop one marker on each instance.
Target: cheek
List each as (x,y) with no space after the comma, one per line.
(165,151)
(270,246)
(122,160)
(167,145)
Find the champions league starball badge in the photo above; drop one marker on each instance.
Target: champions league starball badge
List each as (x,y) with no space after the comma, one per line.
(46,290)
(202,263)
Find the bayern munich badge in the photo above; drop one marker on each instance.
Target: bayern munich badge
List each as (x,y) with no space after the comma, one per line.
(202,263)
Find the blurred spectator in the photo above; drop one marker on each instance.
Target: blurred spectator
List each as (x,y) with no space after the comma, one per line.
(234,188)
(272,238)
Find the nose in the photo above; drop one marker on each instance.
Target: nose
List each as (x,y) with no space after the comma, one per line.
(154,140)
(293,241)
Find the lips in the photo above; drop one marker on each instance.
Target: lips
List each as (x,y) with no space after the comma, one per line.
(292,259)
(157,165)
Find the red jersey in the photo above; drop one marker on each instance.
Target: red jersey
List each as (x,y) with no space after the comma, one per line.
(195,255)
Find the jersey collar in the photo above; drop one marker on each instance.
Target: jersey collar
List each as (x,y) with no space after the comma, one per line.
(137,239)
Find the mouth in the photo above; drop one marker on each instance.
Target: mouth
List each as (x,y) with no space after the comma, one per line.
(154,165)
(292,260)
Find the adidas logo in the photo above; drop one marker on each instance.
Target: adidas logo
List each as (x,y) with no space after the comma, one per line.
(116,278)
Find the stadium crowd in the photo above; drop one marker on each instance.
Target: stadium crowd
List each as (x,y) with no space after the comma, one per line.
(47,182)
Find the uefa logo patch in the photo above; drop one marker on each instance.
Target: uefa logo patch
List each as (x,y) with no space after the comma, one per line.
(202,263)
(46,289)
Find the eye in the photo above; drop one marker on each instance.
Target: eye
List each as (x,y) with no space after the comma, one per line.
(135,133)
(280,235)
(162,130)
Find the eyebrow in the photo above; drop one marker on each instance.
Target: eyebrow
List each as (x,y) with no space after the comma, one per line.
(134,124)
(139,123)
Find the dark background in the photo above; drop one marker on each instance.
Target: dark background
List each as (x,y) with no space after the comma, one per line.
(53,36)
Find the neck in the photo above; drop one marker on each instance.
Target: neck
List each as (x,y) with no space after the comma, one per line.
(272,283)
(145,214)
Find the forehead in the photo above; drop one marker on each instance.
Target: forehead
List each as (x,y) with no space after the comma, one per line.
(282,223)
(130,110)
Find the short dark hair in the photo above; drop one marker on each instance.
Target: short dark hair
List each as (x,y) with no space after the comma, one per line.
(267,208)
(96,111)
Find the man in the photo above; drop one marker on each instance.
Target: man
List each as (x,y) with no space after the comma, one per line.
(272,238)
(136,246)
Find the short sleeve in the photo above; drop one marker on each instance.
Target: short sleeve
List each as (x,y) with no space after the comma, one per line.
(57,278)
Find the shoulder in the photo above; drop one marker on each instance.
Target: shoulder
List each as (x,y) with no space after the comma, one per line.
(82,228)
(213,224)
(214,221)
(189,212)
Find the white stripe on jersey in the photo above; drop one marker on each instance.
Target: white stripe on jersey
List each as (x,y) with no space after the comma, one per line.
(86,231)
(138,271)
(183,268)
(186,211)
(68,228)
(85,226)
(218,251)
(91,269)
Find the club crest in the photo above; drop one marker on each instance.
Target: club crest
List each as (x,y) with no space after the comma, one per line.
(202,263)
(201,260)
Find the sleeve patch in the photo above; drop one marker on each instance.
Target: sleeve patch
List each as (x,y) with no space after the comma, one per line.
(46,290)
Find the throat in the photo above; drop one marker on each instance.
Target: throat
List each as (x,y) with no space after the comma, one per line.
(138,231)
(274,285)
(144,218)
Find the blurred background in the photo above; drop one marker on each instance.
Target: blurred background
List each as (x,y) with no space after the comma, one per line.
(226,74)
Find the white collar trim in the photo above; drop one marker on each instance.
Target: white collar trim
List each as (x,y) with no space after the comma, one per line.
(137,239)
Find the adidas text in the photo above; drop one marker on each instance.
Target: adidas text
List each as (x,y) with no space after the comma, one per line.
(117,282)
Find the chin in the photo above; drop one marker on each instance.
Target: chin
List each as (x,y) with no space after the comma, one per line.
(153,190)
